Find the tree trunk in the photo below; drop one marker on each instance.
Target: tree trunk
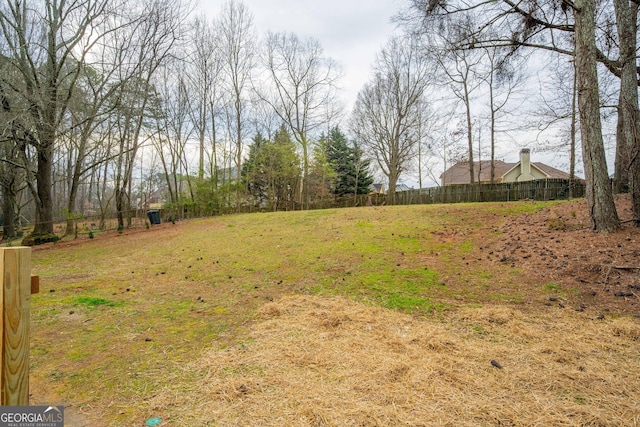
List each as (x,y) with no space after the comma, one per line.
(305,178)
(201,134)
(9,177)
(120,208)
(48,126)
(492,177)
(75,173)
(628,131)
(602,209)
(119,185)
(214,152)
(621,174)
(8,211)
(467,102)
(101,194)
(44,201)
(572,148)
(393,181)
(239,149)
(71,205)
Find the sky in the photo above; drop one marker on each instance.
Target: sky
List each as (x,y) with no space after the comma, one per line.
(351,32)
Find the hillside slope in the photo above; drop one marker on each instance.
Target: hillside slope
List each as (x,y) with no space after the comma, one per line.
(486,314)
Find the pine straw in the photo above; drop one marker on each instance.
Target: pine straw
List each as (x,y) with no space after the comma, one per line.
(315,361)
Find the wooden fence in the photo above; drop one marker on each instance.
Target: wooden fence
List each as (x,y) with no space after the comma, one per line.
(542,189)
(17,287)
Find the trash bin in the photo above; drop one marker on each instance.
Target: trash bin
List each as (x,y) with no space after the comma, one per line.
(154,216)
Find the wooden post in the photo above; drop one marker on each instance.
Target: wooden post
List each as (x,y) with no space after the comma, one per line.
(35,284)
(15,265)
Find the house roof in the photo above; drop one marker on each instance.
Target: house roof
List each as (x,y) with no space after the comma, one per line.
(551,171)
(377,188)
(459,173)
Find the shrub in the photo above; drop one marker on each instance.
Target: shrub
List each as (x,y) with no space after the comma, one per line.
(39,239)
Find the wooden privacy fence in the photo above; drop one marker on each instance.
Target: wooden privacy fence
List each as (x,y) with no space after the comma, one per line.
(17,287)
(542,189)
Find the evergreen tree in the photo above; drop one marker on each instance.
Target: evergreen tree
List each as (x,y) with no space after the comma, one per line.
(363,177)
(321,174)
(339,157)
(352,169)
(272,171)
(251,167)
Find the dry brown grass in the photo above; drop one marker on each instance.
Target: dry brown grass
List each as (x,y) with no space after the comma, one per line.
(313,361)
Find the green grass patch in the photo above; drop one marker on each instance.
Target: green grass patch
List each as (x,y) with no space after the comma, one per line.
(96,301)
(412,304)
(401,289)
(401,279)
(552,288)
(364,224)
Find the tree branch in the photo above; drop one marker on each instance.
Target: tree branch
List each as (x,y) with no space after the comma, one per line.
(533,20)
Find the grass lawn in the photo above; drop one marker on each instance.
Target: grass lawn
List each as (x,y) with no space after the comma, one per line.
(364,316)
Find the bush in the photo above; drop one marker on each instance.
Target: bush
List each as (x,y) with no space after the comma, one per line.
(39,239)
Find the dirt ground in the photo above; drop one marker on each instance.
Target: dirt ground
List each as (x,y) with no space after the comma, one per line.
(556,246)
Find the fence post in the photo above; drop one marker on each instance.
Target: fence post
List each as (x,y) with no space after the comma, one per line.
(15,265)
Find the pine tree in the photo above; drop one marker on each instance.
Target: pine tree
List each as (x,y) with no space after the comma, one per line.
(339,157)
(363,177)
(251,167)
(272,170)
(322,176)
(352,169)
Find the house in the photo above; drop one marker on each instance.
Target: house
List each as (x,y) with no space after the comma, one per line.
(377,189)
(155,199)
(402,187)
(524,170)
(380,188)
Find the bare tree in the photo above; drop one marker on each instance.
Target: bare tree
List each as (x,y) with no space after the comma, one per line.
(46,44)
(558,109)
(238,44)
(390,107)
(204,65)
(89,107)
(427,129)
(304,84)
(265,119)
(502,79)
(148,44)
(14,136)
(460,68)
(104,191)
(174,128)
